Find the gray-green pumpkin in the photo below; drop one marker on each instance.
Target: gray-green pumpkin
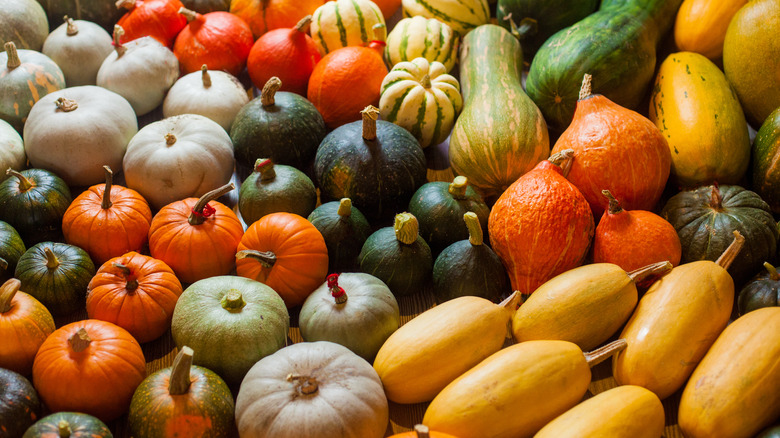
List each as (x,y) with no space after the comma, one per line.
(23,22)
(345,230)
(274,188)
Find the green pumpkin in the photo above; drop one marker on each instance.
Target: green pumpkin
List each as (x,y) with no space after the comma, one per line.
(68,424)
(231,323)
(344,229)
(185,398)
(57,275)
(706,217)
(33,202)
(11,248)
(469,267)
(20,406)
(766,152)
(206,6)
(103,12)
(762,291)
(275,188)
(23,22)
(440,206)
(399,256)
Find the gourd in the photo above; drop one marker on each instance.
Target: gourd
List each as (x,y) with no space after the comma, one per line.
(263,16)
(20,406)
(178,157)
(701,26)
(24,325)
(275,188)
(79,48)
(101,12)
(462,16)
(500,135)
(342,23)
(219,39)
(345,230)
(24,23)
(459,334)
(11,248)
(417,36)
(355,310)
(761,291)
(33,202)
(158,19)
(70,424)
(303,378)
(766,147)
(11,150)
(231,323)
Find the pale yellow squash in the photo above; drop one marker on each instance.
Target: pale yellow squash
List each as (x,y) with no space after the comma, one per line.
(701,25)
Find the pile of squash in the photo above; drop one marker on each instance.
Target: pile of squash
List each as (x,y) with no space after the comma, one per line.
(569,182)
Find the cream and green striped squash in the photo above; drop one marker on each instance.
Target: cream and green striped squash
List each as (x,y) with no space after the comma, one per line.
(461,15)
(343,23)
(417,37)
(422,98)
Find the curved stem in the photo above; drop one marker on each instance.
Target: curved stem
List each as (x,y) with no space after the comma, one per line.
(197,217)
(458,187)
(188,14)
(266,168)
(7,292)
(345,208)
(475,228)
(127,4)
(63,429)
(426,81)
(13,56)
(422,431)
(305,385)
(614,204)
(66,105)
(3,264)
(511,302)
(406,228)
(730,254)
(118,32)
(585,89)
(656,269)
(71,28)
(132,281)
(106,202)
(716,200)
(370,115)
(528,27)
(24,183)
(180,379)
(304,24)
(772,271)
(599,355)
(80,340)
(52,262)
(268,95)
(266,258)
(205,76)
(564,160)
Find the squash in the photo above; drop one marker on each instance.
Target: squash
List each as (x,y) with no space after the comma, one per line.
(422,431)
(344,229)
(196,237)
(158,19)
(622,411)
(355,310)
(461,16)
(701,26)
(286,252)
(91,367)
(265,15)
(11,248)
(70,424)
(24,324)
(101,12)
(770,432)
(219,39)
(422,98)
(79,48)
(182,399)
(274,188)
(20,406)
(206,6)
(542,379)
(762,291)
(24,23)
(33,201)
(178,157)
(585,305)
(231,323)
(541,226)
(342,23)
(135,292)
(500,135)
(696,110)
(76,131)
(738,366)
(459,334)
(11,150)
(417,36)
(309,379)
(766,147)
(684,312)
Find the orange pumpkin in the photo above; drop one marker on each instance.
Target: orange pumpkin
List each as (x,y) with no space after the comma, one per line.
(135,292)
(265,15)
(24,325)
(107,220)
(287,253)
(197,238)
(421,431)
(220,40)
(89,366)
(388,7)
(158,19)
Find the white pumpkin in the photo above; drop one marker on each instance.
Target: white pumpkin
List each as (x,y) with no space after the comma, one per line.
(79,47)
(178,157)
(141,71)
(214,94)
(312,389)
(74,132)
(11,149)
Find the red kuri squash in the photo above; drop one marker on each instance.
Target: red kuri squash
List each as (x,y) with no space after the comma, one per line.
(218,39)
(24,325)
(265,15)
(158,19)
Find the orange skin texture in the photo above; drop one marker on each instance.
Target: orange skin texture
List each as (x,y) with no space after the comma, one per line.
(145,312)
(301,256)
(111,232)
(159,19)
(265,15)
(99,380)
(432,434)
(288,54)
(23,328)
(219,39)
(541,226)
(388,8)
(195,252)
(616,149)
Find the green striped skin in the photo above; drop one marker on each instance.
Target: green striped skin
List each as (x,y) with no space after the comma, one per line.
(24,85)
(465,269)
(24,22)
(11,248)
(19,403)
(290,191)
(343,23)
(344,235)
(63,289)
(501,134)
(36,214)
(102,12)
(461,15)
(81,426)
(766,160)
(405,269)
(417,37)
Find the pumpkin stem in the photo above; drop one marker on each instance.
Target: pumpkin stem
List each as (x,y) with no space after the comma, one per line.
(716,200)
(335,290)
(426,81)
(72,29)
(106,203)
(132,281)
(528,27)
(345,208)
(614,204)
(63,429)
(406,228)
(305,385)
(127,4)
(380,34)
(7,292)
(13,56)
(80,340)
(180,379)
(24,183)
(511,302)
(190,15)
(66,105)
(585,90)
(52,262)
(564,160)
(205,76)
(474,227)
(370,114)
(118,32)
(266,258)
(233,300)
(730,254)
(656,269)
(266,168)
(3,264)
(422,431)
(772,271)
(197,216)
(267,96)
(458,187)
(599,355)
(170,139)
(304,24)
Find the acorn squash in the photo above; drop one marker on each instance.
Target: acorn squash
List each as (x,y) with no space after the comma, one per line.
(34,201)
(273,188)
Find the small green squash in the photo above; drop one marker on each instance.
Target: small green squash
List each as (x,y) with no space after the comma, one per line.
(11,249)
(420,37)
(762,291)
(23,22)
(20,406)
(766,156)
(344,229)
(275,188)
(33,202)
(68,424)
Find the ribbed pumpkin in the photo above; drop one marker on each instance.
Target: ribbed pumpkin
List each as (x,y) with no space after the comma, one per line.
(761,291)
(24,23)
(541,225)
(461,15)
(342,23)
(79,48)
(274,188)
(24,324)
(344,229)
(219,39)
(34,201)
(19,403)
(70,424)
(417,37)
(158,19)
(265,15)
(766,149)
(701,25)
(11,248)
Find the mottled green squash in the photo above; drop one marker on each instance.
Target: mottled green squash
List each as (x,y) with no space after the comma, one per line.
(274,188)
(68,424)
(766,158)
(23,22)
(11,248)
(20,406)
(33,201)
(345,230)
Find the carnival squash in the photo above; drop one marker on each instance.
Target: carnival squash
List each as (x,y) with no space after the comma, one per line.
(461,15)
(344,229)
(417,37)
(219,39)
(265,15)
(24,23)
(79,48)
(11,248)
(275,188)
(70,424)
(20,406)
(158,19)
(33,202)
(762,291)
(766,148)
(701,25)
(342,23)
(24,324)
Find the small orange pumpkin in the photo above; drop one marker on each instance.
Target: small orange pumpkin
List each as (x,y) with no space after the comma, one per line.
(218,39)
(24,325)
(158,19)
(265,15)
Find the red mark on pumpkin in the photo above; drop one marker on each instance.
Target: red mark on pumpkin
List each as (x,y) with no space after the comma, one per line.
(207,211)
(333,284)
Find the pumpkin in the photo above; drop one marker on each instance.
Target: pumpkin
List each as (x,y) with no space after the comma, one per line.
(274,188)
(636,238)
(91,367)
(304,378)
(178,157)
(701,26)
(135,292)
(286,252)
(289,54)
(107,220)
(206,6)
(355,310)
(344,229)
(342,23)
(141,61)
(11,248)
(11,150)
(158,19)
(283,126)
(541,226)
(76,131)
(458,333)
(377,164)
(24,325)
(104,13)
(265,15)
(182,399)
(213,94)
(766,148)
(761,291)
(79,48)
(69,424)
(219,39)
(422,431)
(25,77)
(20,406)
(192,226)
(231,323)
(33,202)
(24,23)
(461,15)
(417,37)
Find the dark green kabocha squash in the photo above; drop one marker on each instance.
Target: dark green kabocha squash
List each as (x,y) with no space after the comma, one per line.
(344,229)
(11,248)
(68,424)
(274,188)
(762,291)
(20,406)
(33,201)
(766,151)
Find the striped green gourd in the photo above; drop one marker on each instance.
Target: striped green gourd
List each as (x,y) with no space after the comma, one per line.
(343,23)
(461,15)
(420,37)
